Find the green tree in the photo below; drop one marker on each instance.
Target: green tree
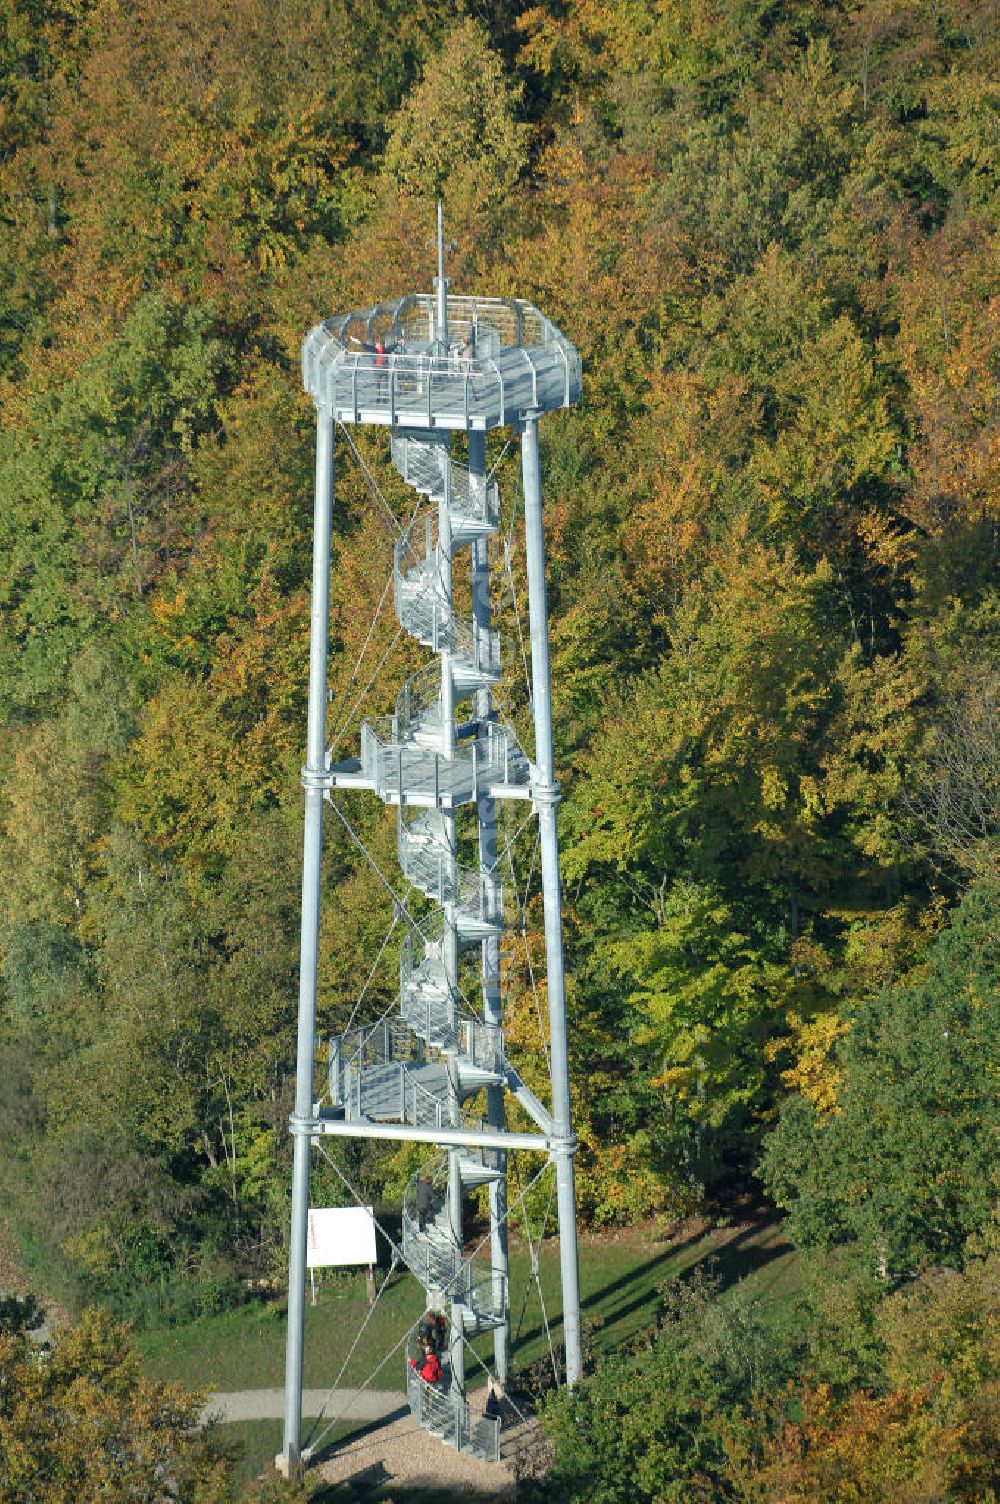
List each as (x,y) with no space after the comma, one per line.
(703,999)
(903,1170)
(91,491)
(458,134)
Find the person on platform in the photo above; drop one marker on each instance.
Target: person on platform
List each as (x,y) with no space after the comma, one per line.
(432,1331)
(424,1197)
(430,1368)
(381,349)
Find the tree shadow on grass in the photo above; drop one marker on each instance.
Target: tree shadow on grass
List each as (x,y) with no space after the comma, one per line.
(728,1259)
(756,1244)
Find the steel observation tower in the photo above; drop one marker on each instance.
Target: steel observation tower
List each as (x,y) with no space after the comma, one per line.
(427,367)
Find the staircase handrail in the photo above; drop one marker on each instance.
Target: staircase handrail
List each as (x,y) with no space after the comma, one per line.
(419,463)
(422,607)
(419,700)
(428,862)
(481,1043)
(430,1020)
(380,1043)
(438,1407)
(484,1293)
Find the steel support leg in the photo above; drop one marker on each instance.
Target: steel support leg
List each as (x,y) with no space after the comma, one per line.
(450,937)
(546,797)
(312,779)
(456,1346)
(486,812)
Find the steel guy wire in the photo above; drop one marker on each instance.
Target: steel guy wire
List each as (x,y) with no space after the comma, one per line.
(509,846)
(361,657)
(505,541)
(523,926)
(492,1376)
(397,1257)
(509,573)
(541,1292)
(533,1248)
(361,995)
(398,903)
(518,1201)
(371,482)
(341,730)
(359,1391)
(351,1351)
(499,460)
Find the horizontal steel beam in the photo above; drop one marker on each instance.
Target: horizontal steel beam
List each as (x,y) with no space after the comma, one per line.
(458,1138)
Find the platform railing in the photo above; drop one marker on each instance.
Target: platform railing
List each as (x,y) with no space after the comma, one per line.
(378,1079)
(403,772)
(518,360)
(356,1050)
(413,320)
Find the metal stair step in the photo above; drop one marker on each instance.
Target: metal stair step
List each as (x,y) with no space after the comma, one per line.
(474,1174)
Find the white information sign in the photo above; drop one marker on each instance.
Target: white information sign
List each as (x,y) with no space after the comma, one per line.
(340,1235)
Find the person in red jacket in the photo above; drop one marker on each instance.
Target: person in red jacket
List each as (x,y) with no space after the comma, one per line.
(430,1369)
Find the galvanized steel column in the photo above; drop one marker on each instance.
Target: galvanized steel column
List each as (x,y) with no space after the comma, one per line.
(486,811)
(313,780)
(449,941)
(545,794)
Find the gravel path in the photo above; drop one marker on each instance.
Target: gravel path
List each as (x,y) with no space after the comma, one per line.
(413,1459)
(269,1404)
(394,1445)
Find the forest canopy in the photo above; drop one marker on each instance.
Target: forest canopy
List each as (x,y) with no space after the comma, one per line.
(772,232)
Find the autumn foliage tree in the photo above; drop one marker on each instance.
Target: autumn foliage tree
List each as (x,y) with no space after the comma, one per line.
(772,234)
(78,1420)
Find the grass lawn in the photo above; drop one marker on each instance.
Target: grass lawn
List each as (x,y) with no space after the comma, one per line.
(620,1279)
(257,1443)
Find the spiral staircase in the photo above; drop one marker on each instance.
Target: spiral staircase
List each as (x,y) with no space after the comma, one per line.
(424,1066)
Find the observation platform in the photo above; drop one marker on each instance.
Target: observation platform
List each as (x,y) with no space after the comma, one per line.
(385,365)
(406,773)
